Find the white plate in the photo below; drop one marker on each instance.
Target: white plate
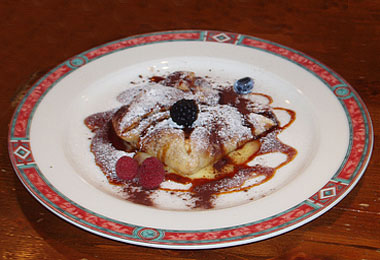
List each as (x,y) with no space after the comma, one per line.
(49,145)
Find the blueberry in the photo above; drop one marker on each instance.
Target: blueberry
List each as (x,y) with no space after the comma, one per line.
(243,85)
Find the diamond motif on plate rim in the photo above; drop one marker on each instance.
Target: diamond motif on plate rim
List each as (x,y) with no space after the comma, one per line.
(221,37)
(22,152)
(327,193)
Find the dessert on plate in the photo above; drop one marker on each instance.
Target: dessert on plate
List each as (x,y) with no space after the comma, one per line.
(187,129)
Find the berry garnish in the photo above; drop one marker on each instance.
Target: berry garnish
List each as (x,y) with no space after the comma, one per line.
(184,112)
(151,173)
(243,85)
(126,168)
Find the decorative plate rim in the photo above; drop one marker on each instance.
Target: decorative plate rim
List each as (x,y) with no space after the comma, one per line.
(349,173)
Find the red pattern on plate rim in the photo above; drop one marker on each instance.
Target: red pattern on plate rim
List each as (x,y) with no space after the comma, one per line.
(32,179)
(358,140)
(25,112)
(261,228)
(71,211)
(141,41)
(294,56)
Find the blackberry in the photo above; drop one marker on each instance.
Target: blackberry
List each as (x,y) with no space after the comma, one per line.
(243,85)
(184,112)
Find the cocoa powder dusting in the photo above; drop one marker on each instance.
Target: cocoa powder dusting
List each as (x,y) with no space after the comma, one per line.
(107,147)
(138,195)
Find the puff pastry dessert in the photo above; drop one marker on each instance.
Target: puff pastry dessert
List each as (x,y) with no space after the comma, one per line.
(225,121)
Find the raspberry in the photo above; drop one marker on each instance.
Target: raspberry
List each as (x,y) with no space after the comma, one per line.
(151,173)
(126,168)
(243,85)
(184,112)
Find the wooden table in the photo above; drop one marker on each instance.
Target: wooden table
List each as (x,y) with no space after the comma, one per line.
(37,35)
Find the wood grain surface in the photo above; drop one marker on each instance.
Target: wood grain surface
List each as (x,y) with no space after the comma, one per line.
(37,35)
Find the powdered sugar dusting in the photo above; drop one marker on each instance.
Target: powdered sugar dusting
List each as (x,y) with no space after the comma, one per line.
(145,112)
(260,123)
(223,122)
(146,99)
(226,121)
(105,152)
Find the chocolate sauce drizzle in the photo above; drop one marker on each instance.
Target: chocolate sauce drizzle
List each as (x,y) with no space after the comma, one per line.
(203,191)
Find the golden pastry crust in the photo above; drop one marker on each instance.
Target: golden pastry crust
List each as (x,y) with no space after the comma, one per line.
(225,122)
